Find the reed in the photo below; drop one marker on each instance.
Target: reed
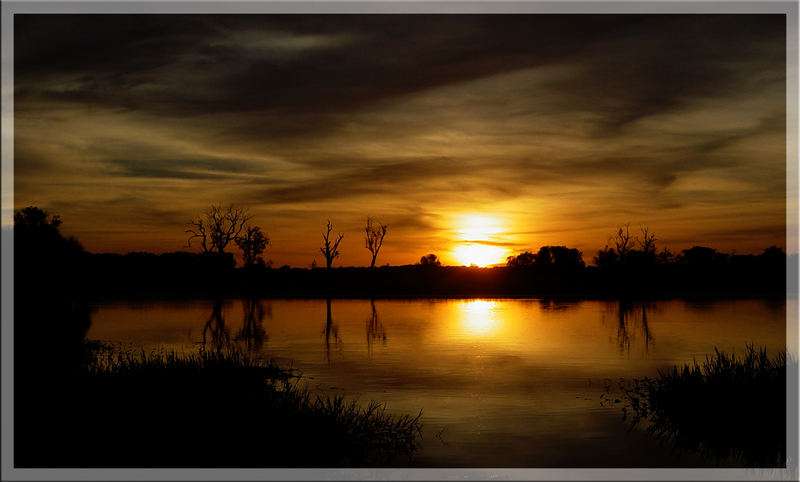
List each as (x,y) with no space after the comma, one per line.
(131,408)
(727,407)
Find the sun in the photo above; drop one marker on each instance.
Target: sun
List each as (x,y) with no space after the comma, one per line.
(479,235)
(479,254)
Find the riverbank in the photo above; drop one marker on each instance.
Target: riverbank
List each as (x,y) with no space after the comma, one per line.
(204,409)
(186,274)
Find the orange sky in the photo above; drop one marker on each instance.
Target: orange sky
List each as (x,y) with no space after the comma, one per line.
(510,132)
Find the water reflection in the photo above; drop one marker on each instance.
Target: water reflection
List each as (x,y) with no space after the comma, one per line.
(479,317)
(508,379)
(546,304)
(215,333)
(375,329)
(331,331)
(632,324)
(253,334)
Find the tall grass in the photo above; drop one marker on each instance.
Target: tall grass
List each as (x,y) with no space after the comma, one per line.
(729,408)
(206,409)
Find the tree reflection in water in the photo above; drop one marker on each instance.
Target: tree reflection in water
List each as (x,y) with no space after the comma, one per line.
(252,334)
(331,330)
(632,323)
(375,329)
(215,333)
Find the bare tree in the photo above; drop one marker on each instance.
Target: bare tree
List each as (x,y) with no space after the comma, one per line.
(375,232)
(622,240)
(648,241)
(217,227)
(252,242)
(331,249)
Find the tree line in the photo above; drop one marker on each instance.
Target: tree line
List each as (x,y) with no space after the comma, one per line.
(627,250)
(218,228)
(629,264)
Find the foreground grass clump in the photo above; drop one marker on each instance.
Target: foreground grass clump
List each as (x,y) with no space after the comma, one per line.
(204,409)
(726,408)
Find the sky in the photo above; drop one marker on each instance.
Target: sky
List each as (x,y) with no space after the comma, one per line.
(473,137)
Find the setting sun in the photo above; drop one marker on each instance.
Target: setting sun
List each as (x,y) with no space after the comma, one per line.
(478,235)
(480,254)
(479,317)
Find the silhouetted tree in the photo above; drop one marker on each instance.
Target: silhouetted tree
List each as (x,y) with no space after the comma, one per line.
(373,238)
(252,242)
(218,227)
(522,260)
(648,241)
(38,234)
(606,258)
(42,255)
(666,256)
(543,257)
(32,217)
(330,249)
(773,256)
(699,256)
(622,241)
(565,258)
(549,257)
(430,260)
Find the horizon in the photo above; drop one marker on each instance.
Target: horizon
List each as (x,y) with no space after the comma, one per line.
(474,137)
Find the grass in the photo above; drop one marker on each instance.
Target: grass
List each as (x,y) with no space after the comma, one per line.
(727,408)
(164,409)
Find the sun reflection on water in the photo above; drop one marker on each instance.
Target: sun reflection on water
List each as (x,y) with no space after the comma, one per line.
(479,317)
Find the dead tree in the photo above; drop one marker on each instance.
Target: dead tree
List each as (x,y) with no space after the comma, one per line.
(375,232)
(218,227)
(330,249)
(623,241)
(648,241)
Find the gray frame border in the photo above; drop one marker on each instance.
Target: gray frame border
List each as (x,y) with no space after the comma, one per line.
(789,8)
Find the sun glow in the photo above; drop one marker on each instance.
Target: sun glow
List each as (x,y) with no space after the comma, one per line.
(479,254)
(478,227)
(479,317)
(478,235)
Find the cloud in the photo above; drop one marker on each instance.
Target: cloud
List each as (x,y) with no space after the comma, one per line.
(197,169)
(555,121)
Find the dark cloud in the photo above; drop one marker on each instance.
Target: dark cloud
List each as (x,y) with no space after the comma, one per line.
(307,66)
(563,123)
(384,178)
(199,169)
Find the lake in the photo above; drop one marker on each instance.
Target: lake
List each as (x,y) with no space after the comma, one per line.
(500,382)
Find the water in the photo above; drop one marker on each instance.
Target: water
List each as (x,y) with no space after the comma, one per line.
(501,383)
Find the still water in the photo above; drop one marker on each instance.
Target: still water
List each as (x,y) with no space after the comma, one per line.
(501,383)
